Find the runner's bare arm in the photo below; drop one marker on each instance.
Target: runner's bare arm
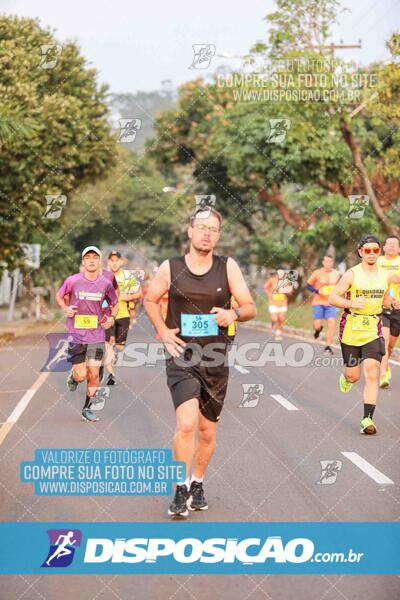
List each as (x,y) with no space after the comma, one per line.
(344,284)
(112,300)
(240,291)
(64,290)
(60,301)
(311,281)
(268,288)
(129,297)
(156,290)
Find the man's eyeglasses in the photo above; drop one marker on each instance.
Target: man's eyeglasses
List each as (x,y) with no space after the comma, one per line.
(372,250)
(202,227)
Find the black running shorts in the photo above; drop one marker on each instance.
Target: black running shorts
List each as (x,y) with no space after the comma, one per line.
(354,355)
(119,330)
(78,353)
(391,319)
(206,383)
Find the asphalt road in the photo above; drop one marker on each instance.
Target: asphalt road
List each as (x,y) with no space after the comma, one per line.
(266,466)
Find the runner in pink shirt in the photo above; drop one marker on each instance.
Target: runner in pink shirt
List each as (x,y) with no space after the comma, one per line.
(86,324)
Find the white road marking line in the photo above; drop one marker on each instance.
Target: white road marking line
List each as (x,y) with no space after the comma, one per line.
(21,406)
(241,369)
(285,403)
(368,469)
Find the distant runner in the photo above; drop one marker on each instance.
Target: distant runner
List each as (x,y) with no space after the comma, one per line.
(134,306)
(321,283)
(277,290)
(129,290)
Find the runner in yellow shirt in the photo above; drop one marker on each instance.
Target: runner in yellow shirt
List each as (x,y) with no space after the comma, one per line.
(321,283)
(133,307)
(390,318)
(129,289)
(362,292)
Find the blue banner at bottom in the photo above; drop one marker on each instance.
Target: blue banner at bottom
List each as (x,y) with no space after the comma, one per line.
(213,548)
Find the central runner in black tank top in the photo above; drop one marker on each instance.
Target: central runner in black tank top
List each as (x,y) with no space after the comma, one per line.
(194,294)
(197,333)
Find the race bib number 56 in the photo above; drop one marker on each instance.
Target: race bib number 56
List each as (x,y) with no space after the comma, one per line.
(364,323)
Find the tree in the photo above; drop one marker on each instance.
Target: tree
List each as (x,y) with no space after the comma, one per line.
(13,124)
(300,25)
(225,138)
(56,137)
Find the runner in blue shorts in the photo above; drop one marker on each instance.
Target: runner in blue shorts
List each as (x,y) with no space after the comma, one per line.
(321,284)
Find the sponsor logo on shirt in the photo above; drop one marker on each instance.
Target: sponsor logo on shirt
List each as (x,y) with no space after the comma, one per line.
(370,293)
(94,296)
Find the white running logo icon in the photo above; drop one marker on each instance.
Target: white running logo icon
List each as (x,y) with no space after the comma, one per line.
(62,549)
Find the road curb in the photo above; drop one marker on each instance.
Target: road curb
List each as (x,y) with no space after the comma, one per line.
(9,332)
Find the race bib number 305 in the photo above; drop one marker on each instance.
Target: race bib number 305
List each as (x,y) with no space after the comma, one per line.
(198,325)
(85,322)
(364,323)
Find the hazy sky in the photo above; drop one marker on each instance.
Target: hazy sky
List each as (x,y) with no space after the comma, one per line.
(136,45)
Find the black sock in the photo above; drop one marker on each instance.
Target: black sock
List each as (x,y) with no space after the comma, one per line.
(87,402)
(369,410)
(101,373)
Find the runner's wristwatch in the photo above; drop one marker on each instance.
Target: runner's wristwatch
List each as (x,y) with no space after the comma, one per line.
(237,311)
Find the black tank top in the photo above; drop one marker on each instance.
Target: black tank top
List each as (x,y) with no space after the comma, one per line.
(197,294)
